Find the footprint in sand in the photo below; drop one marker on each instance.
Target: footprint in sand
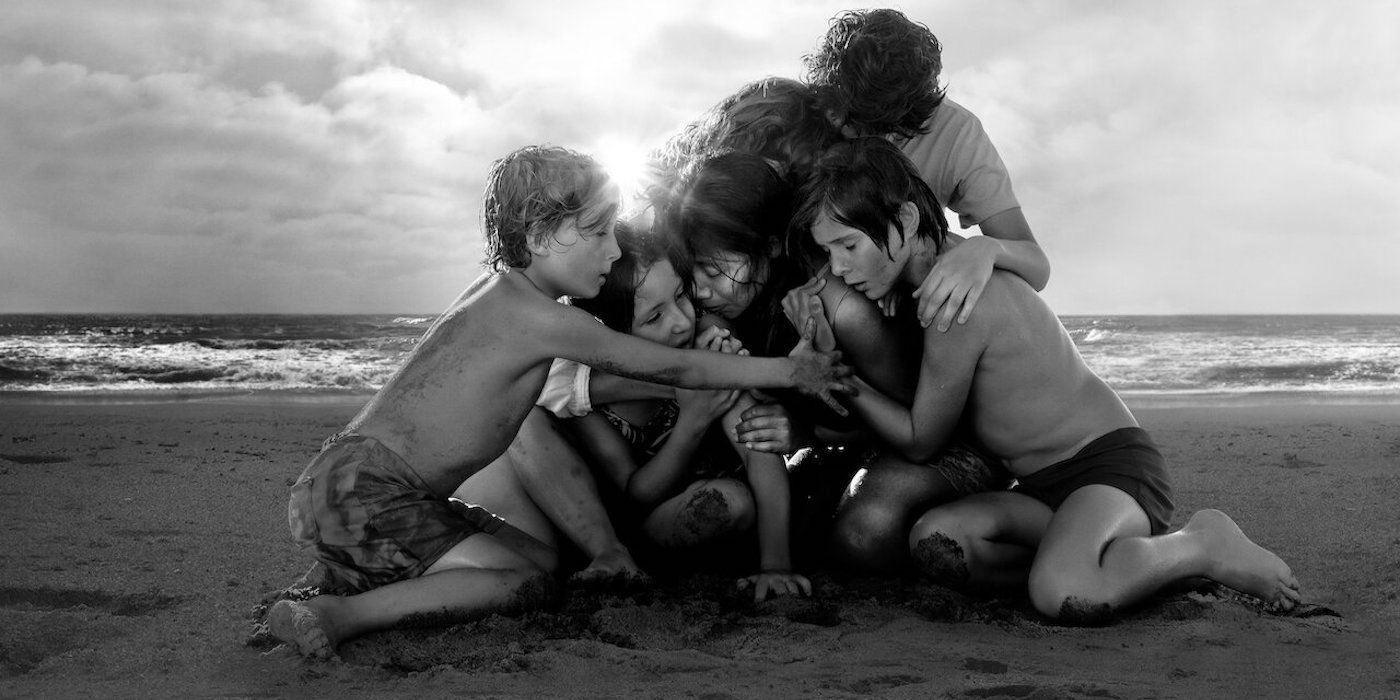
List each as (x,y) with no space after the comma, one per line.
(1293,461)
(120,604)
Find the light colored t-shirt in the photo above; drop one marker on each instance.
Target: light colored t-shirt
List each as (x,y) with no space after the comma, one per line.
(961,165)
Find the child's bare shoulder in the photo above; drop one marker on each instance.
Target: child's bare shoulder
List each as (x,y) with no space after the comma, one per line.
(491,310)
(835,294)
(999,308)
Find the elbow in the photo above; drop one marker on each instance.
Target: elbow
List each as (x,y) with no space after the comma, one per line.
(644,497)
(1042,276)
(1041,280)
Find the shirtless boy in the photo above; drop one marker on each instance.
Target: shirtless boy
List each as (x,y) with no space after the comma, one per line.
(375,503)
(1085,529)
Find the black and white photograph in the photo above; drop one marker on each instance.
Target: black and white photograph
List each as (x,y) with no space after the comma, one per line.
(714,349)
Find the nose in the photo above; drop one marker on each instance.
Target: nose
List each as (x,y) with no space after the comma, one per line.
(702,288)
(682,326)
(613,250)
(839,267)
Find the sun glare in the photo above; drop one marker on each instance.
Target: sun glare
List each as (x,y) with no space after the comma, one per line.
(625,162)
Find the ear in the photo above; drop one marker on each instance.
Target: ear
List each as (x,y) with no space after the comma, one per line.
(908,220)
(536,244)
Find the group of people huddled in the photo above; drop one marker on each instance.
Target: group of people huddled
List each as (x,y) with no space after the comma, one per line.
(782,361)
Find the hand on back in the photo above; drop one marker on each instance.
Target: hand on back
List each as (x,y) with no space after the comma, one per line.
(954,285)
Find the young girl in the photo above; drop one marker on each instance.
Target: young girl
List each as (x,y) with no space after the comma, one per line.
(674,484)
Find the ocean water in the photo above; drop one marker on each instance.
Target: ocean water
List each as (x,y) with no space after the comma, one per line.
(1143,356)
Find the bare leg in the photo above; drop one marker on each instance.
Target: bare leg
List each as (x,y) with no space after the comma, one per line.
(1096,557)
(871,528)
(986,540)
(559,483)
(705,510)
(477,577)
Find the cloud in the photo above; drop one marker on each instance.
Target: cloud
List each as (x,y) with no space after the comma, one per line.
(1200,147)
(329,155)
(371,180)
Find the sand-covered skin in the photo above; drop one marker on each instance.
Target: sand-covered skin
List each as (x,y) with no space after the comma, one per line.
(139,537)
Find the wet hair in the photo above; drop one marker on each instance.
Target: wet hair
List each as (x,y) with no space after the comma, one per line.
(776,118)
(616,303)
(738,204)
(864,183)
(532,191)
(878,71)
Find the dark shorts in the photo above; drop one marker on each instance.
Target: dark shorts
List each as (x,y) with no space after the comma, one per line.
(1125,459)
(371,519)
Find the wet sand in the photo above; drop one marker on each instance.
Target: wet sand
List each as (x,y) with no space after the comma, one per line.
(141,537)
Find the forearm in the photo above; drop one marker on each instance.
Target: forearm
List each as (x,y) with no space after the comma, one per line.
(768,478)
(663,474)
(604,388)
(713,370)
(895,424)
(1015,248)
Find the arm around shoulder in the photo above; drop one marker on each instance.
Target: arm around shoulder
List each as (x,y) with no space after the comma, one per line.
(1020,252)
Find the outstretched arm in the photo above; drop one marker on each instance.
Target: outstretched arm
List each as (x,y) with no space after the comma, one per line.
(604,388)
(573,334)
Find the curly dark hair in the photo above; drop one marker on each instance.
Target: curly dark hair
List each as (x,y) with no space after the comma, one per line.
(877,71)
(531,191)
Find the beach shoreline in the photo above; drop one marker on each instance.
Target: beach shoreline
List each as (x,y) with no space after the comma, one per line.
(143,532)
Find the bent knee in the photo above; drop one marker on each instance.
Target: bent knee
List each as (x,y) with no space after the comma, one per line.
(940,553)
(1069,600)
(869,538)
(531,588)
(719,507)
(941,521)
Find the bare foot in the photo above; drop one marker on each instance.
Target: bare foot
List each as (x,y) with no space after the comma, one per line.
(1242,565)
(610,565)
(302,625)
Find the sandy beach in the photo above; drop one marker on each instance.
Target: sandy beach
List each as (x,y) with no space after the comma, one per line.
(141,536)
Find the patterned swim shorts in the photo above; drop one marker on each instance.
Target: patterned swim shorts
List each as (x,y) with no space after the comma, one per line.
(371,519)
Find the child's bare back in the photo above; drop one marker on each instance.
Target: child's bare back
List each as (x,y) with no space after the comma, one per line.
(1033,401)
(457,401)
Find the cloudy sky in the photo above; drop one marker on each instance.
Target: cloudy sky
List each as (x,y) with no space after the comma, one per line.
(329,155)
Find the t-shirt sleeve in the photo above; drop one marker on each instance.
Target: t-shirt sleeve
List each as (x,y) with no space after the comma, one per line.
(960,164)
(565,392)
